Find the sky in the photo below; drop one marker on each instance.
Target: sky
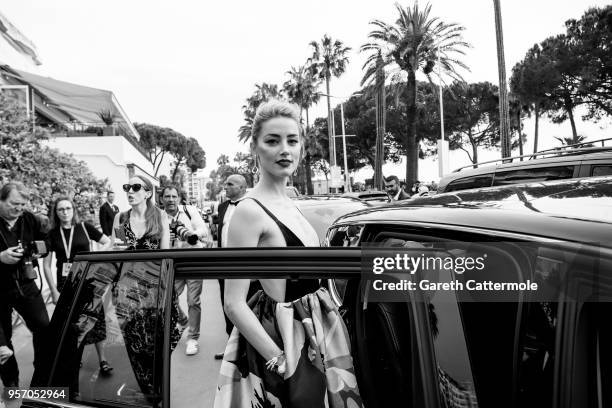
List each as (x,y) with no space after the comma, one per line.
(190,65)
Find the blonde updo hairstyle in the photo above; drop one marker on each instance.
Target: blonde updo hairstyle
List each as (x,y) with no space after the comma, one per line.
(271,109)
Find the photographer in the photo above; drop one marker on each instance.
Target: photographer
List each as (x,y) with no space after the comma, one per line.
(21,238)
(187,230)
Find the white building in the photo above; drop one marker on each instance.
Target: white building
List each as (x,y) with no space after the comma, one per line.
(73,112)
(196,187)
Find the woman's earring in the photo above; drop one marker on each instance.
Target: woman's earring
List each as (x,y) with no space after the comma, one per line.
(255,168)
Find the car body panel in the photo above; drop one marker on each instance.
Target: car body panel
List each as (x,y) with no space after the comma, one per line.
(579,163)
(554,210)
(425,350)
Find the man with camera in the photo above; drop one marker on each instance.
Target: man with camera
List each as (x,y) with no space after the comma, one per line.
(187,230)
(21,243)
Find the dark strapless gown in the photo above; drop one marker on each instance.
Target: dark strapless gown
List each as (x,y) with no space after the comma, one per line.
(308,327)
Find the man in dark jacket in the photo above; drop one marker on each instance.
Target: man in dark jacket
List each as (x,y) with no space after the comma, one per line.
(20,232)
(393,189)
(107,214)
(235,189)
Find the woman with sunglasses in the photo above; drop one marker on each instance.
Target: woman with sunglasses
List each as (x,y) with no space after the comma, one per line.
(142,227)
(289,346)
(66,238)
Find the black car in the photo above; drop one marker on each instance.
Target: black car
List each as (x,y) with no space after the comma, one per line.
(415,348)
(565,162)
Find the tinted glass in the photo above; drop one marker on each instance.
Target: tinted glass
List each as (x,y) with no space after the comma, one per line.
(115,320)
(202,380)
(470,182)
(532,175)
(601,171)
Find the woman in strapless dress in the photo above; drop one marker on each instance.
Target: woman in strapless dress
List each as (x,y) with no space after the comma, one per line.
(289,346)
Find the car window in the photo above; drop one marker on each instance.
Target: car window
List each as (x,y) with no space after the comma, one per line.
(601,171)
(115,320)
(574,327)
(484,180)
(455,381)
(526,175)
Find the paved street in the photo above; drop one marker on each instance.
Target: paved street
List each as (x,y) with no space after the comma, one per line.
(193,378)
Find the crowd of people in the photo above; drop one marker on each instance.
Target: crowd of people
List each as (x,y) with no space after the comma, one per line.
(266,321)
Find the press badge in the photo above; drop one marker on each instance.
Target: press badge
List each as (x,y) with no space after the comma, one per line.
(66,269)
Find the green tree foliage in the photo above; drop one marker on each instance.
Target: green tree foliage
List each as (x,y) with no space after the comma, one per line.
(529,83)
(591,39)
(46,172)
(242,164)
(262,93)
(569,70)
(413,44)
(471,115)
(159,141)
(301,89)
(329,59)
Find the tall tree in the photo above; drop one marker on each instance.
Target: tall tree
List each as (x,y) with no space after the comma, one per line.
(412,44)
(157,142)
(503,86)
(529,82)
(46,172)
(591,39)
(187,151)
(329,58)
(472,114)
(301,89)
(564,79)
(263,92)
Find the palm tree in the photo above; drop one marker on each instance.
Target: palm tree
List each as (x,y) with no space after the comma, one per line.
(412,44)
(301,89)
(262,93)
(503,86)
(329,58)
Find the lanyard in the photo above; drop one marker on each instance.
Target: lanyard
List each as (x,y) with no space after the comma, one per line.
(68,247)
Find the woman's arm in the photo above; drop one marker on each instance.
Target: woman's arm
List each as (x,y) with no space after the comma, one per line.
(164,242)
(115,226)
(244,231)
(49,277)
(105,242)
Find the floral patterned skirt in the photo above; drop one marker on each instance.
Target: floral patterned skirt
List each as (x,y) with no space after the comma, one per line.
(320,370)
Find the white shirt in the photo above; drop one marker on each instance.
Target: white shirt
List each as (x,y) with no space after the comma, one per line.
(226,220)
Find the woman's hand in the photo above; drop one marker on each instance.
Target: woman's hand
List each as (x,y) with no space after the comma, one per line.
(54,295)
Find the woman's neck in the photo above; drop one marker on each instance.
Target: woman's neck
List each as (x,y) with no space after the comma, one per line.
(274,186)
(139,209)
(66,224)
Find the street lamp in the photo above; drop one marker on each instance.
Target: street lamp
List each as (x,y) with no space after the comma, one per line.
(347,181)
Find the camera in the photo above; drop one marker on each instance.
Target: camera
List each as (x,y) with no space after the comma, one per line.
(30,250)
(183,233)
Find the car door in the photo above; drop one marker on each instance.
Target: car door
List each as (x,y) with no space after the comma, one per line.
(112,309)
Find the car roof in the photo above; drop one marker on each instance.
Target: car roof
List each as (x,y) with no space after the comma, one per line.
(577,210)
(554,160)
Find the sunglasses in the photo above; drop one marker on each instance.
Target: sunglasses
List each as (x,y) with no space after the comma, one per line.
(135,187)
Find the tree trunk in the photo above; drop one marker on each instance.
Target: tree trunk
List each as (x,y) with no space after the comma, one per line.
(537,120)
(330,130)
(307,162)
(380,125)
(519,125)
(474,150)
(569,107)
(309,186)
(504,127)
(411,145)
